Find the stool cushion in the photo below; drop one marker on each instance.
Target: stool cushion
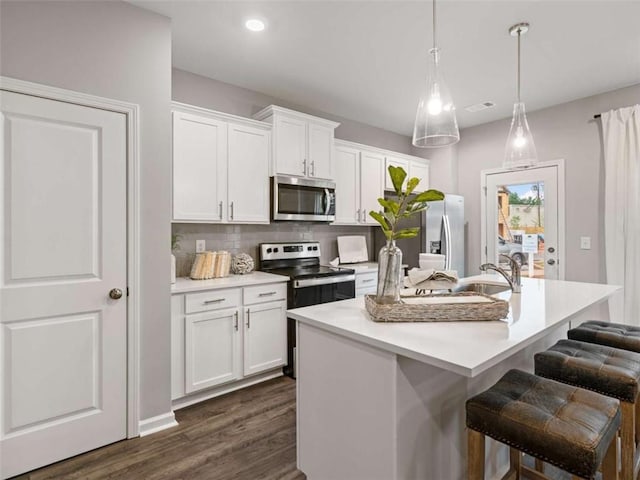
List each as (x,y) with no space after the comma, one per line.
(563,425)
(614,335)
(610,371)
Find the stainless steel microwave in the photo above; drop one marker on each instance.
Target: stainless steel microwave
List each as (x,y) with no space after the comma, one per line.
(303,199)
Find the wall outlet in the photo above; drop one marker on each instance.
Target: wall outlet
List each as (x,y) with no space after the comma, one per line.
(585,243)
(201,246)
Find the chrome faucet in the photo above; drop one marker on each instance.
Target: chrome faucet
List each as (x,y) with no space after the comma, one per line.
(513,279)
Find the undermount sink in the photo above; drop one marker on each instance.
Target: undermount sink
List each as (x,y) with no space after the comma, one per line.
(485,288)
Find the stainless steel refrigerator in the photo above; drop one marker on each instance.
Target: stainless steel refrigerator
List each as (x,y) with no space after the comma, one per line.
(441,231)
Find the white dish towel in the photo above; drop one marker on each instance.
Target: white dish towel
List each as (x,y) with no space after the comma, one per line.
(430,279)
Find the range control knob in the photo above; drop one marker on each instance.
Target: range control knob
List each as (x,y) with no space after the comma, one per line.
(315,248)
(275,250)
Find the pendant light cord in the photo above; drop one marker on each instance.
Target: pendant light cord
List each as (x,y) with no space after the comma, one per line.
(518,77)
(434,24)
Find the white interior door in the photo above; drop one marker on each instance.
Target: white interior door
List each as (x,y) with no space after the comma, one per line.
(63,248)
(525,208)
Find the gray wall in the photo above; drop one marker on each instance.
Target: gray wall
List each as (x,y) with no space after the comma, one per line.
(208,93)
(564,131)
(119,51)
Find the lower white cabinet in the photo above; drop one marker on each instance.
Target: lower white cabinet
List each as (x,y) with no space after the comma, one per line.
(229,341)
(265,337)
(212,349)
(366,283)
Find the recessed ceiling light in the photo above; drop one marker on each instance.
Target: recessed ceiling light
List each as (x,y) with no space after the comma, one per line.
(254,25)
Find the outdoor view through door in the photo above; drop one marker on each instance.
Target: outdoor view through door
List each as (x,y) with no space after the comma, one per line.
(523,217)
(521,226)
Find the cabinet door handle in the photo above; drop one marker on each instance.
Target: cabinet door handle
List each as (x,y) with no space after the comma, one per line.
(367,280)
(304,166)
(220,210)
(231,210)
(266,294)
(313,168)
(358,215)
(217,300)
(248,318)
(235,323)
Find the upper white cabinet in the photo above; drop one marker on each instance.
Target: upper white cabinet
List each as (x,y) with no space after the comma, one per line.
(396,162)
(414,168)
(302,144)
(199,167)
(220,167)
(359,183)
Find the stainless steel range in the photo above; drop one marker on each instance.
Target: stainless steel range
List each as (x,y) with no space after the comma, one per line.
(310,283)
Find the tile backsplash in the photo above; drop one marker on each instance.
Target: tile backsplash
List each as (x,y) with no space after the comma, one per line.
(245,238)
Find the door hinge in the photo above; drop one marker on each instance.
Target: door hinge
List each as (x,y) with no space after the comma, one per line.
(127,291)
(485,191)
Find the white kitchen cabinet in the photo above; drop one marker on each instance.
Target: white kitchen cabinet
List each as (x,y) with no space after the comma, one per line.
(347,168)
(226,338)
(302,144)
(396,162)
(248,174)
(420,170)
(212,348)
(265,345)
(371,184)
(220,167)
(366,283)
(199,167)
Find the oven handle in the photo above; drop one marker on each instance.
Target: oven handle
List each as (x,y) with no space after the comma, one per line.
(327,201)
(312,282)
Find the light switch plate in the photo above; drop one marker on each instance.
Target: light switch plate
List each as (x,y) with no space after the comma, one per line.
(585,243)
(200,246)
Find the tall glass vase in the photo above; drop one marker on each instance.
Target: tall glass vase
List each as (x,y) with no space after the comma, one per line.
(389,273)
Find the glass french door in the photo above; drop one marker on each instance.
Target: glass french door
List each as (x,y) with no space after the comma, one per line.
(522,220)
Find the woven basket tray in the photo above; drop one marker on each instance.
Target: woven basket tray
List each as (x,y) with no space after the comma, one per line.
(495,309)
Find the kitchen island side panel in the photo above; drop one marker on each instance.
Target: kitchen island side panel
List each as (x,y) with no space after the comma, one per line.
(346,408)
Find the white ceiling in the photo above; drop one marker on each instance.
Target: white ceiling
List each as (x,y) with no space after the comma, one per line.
(366,60)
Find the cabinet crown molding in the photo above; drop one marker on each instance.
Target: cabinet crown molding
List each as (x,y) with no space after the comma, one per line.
(227,117)
(274,109)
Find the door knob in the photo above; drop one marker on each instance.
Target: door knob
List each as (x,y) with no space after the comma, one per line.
(551,249)
(115,293)
(551,261)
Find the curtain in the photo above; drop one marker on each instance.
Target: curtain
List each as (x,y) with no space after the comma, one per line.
(621,135)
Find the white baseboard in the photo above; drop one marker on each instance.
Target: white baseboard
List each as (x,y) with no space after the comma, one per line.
(158,423)
(198,397)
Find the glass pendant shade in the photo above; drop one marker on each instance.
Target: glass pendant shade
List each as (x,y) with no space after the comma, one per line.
(520,150)
(436,124)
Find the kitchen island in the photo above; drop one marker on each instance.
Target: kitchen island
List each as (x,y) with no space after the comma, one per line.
(386,401)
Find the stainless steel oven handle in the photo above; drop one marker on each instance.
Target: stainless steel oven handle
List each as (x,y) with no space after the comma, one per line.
(312,282)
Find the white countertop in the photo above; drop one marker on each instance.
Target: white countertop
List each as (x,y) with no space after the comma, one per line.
(184,284)
(362,267)
(465,348)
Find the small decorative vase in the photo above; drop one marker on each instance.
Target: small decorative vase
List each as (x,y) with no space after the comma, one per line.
(173,268)
(389,273)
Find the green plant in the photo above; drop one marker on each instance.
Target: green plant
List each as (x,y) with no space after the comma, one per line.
(175,242)
(406,205)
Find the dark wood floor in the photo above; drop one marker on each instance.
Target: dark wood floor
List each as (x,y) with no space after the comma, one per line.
(249,434)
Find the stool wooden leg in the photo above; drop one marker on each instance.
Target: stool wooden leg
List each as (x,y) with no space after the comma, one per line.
(475,455)
(610,462)
(627,438)
(539,465)
(637,419)
(515,460)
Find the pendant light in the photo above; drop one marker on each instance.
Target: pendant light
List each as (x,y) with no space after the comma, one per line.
(436,124)
(520,150)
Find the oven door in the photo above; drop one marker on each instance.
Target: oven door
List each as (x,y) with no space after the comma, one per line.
(307,292)
(302,199)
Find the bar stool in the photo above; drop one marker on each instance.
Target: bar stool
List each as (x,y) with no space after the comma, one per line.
(569,427)
(610,371)
(614,335)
